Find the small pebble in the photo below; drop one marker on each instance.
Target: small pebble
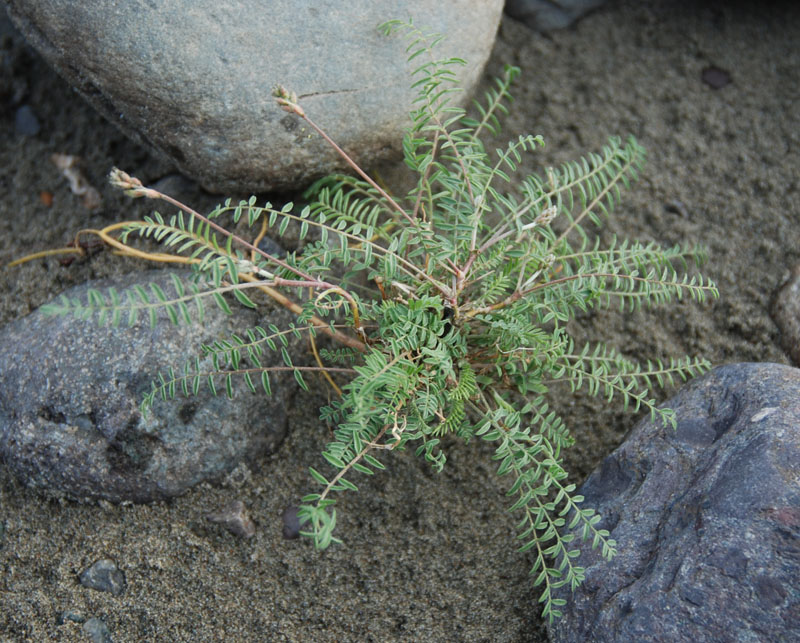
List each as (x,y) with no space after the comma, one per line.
(97,631)
(291,523)
(677,207)
(69,616)
(25,121)
(235,519)
(715,77)
(104,576)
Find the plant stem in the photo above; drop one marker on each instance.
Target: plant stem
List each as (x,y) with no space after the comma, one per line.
(353,164)
(341,473)
(226,233)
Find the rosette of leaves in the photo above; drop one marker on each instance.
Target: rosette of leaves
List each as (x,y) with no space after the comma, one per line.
(450,306)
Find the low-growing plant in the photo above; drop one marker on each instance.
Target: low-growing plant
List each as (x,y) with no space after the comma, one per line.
(450,306)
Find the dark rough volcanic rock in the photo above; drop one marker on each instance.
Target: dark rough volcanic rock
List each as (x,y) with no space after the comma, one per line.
(706,517)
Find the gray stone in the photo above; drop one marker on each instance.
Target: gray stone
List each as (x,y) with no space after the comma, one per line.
(548,15)
(786,315)
(104,576)
(70,616)
(97,631)
(235,518)
(194,78)
(70,393)
(25,121)
(706,517)
(291,523)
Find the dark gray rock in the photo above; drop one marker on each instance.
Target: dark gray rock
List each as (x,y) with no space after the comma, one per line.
(193,79)
(270,246)
(104,576)
(291,523)
(786,315)
(706,517)
(548,15)
(715,77)
(69,404)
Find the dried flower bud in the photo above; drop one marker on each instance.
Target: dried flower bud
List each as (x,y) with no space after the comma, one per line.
(287,100)
(131,185)
(547,215)
(124,181)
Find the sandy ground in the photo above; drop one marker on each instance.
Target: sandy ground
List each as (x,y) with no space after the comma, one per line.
(427,557)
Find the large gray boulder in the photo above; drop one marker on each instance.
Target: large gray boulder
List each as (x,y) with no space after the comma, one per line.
(194,78)
(70,393)
(706,518)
